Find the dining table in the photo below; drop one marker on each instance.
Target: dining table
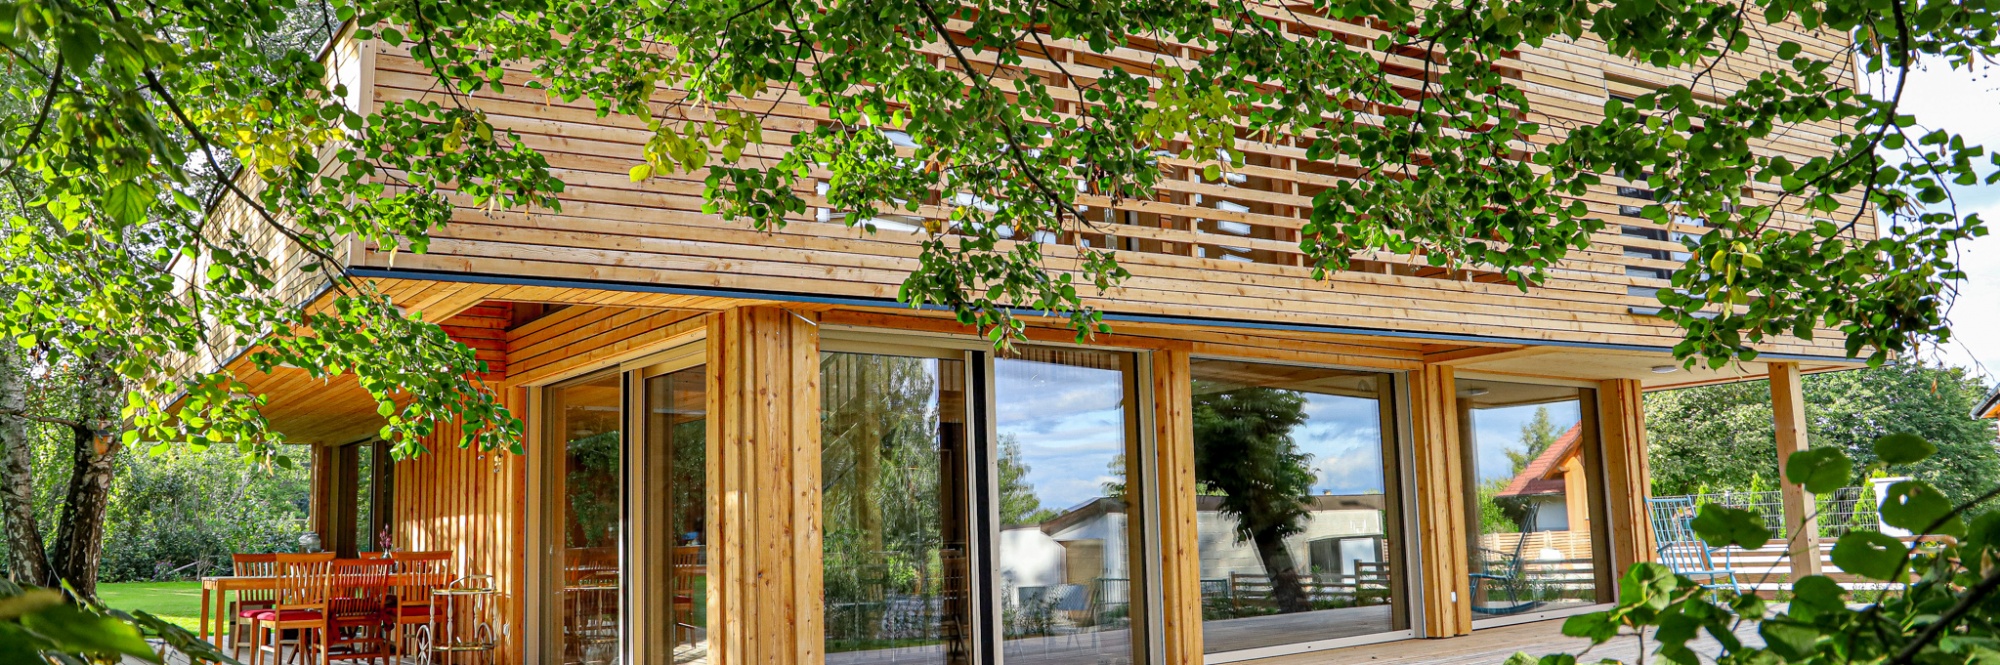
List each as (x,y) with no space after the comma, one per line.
(215,599)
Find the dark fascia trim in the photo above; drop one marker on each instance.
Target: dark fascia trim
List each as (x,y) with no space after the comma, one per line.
(1989,408)
(808,298)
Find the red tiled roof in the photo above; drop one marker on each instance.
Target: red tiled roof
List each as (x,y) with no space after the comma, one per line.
(1543,475)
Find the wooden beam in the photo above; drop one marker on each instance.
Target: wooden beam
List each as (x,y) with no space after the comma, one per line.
(1627,474)
(1180,546)
(1439,500)
(1477,355)
(765,597)
(1788,411)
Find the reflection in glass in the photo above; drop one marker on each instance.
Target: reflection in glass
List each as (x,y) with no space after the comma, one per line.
(365,537)
(1295,539)
(677,446)
(893,469)
(1063,544)
(1530,457)
(583,420)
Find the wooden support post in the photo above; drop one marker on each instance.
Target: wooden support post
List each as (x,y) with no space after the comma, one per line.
(1180,548)
(765,596)
(323,505)
(1439,499)
(1788,411)
(1627,475)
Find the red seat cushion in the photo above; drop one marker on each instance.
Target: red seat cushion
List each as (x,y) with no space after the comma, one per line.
(409,611)
(287,615)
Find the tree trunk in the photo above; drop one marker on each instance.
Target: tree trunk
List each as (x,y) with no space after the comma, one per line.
(79,546)
(26,558)
(1288,592)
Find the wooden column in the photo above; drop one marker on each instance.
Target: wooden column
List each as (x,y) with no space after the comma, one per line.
(1439,501)
(1788,411)
(765,591)
(323,506)
(1180,548)
(1627,476)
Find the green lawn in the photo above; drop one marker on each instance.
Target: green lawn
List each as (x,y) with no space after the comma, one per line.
(177,602)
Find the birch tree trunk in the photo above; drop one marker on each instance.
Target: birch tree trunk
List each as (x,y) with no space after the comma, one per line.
(79,544)
(23,532)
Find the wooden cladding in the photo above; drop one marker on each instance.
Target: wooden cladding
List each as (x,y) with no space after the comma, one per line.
(1621,410)
(1439,501)
(470,503)
(1221,248)
(764,602)
(1180,544)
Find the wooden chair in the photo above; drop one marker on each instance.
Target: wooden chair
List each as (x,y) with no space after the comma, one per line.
(250,602)
(687,569)
(355,627)
(417,575)
(304,581)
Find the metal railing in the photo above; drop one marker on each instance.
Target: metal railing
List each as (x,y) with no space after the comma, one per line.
(1842,510)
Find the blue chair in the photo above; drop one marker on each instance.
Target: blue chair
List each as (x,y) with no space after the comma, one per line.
(1683,552)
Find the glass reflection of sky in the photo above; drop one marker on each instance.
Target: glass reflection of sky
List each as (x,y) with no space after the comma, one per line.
(1499,430)
(1069,422)
(1344,437)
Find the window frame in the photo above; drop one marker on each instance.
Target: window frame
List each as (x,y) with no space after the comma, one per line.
(988,631)
(1393,408)
(1592,427)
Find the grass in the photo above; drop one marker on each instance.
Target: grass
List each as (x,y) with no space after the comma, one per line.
(177,602)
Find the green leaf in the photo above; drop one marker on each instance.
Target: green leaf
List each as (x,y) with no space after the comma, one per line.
(73,628)
(1792,640)
(1599,627)
(1820,470)
(1903,449)
(1815,595)
(1919,508)
(1722,526)
(1869,554)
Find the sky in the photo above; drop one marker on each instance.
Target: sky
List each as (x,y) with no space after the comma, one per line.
(1968,103)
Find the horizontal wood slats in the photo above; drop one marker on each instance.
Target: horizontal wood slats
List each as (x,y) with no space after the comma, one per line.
(1202,248)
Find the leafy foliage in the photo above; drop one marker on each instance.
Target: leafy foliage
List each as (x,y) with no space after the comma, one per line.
(1941,607)
(158,151)
(1703,439)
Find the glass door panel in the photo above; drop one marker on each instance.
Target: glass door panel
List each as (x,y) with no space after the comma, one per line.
(1298,515)
(1064,543)
(677,494)
(586,438)
(893,467)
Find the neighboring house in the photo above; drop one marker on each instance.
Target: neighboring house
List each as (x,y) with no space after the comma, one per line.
(701,357)
(1552,486)
(1084,545)
(1989,408)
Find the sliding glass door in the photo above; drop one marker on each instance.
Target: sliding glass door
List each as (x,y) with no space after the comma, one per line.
(584,447)
(894,467)
(1301,540)
(674,508)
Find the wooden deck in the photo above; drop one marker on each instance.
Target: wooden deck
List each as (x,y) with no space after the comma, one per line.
(1484,647)
(1493,645)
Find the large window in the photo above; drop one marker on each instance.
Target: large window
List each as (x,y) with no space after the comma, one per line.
(894,471)
(1533,497)
(1296,515)
(585,440)
(1066,532)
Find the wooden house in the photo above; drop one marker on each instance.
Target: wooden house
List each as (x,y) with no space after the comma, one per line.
(742,450)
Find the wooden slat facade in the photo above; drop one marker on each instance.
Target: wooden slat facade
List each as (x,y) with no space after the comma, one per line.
(1188,248)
